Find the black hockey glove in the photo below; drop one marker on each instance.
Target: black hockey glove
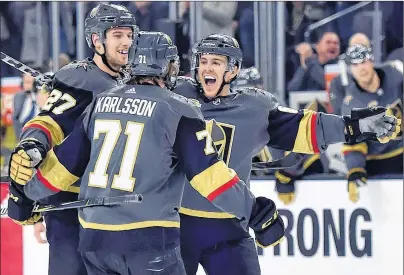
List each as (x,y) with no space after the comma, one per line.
(285,186)
(266,223)
(371,123)
(24,159)
(20,206)
(357,177)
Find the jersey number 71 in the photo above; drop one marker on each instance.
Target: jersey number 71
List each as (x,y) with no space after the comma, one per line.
(112,129)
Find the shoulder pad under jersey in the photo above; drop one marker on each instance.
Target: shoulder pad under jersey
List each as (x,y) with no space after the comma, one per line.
(185,106)
(257,94)
(83,75)
(187,87)
(257,97)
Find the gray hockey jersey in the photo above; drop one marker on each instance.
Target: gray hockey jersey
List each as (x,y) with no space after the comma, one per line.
(389,94)
(243,122)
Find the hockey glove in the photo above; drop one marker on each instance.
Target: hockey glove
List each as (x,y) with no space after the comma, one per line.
(24,159)
(356,178)
(266,223)
(285,187)
(371,123)
(20,206)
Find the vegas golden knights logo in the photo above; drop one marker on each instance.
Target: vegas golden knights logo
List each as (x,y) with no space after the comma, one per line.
(222,135)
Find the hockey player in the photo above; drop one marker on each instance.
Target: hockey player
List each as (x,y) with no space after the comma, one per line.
(242,122)
(338,84)
(109,32)
(110,149)
(371,86)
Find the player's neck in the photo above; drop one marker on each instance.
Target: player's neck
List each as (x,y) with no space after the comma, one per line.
(225,91)
(100,64)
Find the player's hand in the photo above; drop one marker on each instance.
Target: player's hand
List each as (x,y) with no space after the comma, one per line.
(39,230)
(285,186)
(20,206)
(356,178)
(375,123)
(24,159)
(305,51)
(266,223)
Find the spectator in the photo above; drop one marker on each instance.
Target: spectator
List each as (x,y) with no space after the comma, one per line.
(148,13)
(244,19)
(25,107)
(394,24)
(10,35)
(183,44)
(64,59)
(36,32)
(359,38)
(301,14)
(310,74)
(217,17)
(345,23)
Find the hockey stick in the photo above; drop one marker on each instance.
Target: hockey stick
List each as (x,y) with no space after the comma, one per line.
(290,160)
(24,68)
(98,201)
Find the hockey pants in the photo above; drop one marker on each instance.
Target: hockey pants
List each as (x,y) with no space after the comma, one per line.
(167,262)
(221,246)
(63,239)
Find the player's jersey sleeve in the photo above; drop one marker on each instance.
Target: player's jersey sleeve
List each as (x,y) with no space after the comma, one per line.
(64,164)
(72,92)
(303,131)
(207,173)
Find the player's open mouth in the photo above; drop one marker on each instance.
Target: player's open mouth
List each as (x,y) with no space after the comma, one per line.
(123,52)
(209,80)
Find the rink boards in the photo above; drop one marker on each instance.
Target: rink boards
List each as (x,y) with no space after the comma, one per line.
(325,233)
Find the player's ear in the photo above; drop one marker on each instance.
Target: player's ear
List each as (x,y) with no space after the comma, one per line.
(97,43)
(233,73)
